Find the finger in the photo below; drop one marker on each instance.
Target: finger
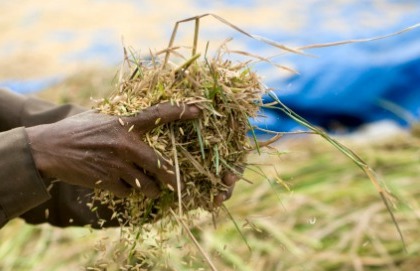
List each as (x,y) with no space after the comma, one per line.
(163,113)
(146,158)
(230,178)
(118,187)
(140,181)
(224,195)
(228,192)
(219,199)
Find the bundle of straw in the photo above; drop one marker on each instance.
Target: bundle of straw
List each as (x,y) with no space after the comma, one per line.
(201,150)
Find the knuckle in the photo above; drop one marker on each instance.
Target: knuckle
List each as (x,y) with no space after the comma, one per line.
(122,147)
(155,112)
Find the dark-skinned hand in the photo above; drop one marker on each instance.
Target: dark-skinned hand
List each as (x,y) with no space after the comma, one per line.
(229,179)
(96,151)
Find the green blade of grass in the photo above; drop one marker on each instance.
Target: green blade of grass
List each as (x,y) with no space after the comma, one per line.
(254,137)
(200,138)
(236,227)
(386,197)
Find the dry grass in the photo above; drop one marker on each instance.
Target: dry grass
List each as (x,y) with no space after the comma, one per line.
(343,225)
(204,149)
(201,150)
(331,219)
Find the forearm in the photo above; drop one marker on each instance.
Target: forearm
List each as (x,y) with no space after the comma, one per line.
(23,193)
(22,190)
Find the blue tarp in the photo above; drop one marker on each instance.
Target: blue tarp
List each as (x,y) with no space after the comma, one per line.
(352,85)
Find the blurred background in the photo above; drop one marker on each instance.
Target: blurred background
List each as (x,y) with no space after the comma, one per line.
(43,43)
(314,210)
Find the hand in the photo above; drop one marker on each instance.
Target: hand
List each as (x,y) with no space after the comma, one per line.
(229,179)
(96,150)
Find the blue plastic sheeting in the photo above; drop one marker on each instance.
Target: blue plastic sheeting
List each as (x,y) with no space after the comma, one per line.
(29,86)
(346,86)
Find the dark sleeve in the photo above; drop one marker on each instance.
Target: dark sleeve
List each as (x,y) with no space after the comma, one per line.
(18,110)
(22,191)
(10,110)
(21,187)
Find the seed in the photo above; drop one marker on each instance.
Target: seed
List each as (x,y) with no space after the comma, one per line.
(138,183)
(131,128)
(121,121)
(114,215)
(170,187)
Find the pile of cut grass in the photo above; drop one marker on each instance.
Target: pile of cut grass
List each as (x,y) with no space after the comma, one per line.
(331,219)
(201,150)
(316,225)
